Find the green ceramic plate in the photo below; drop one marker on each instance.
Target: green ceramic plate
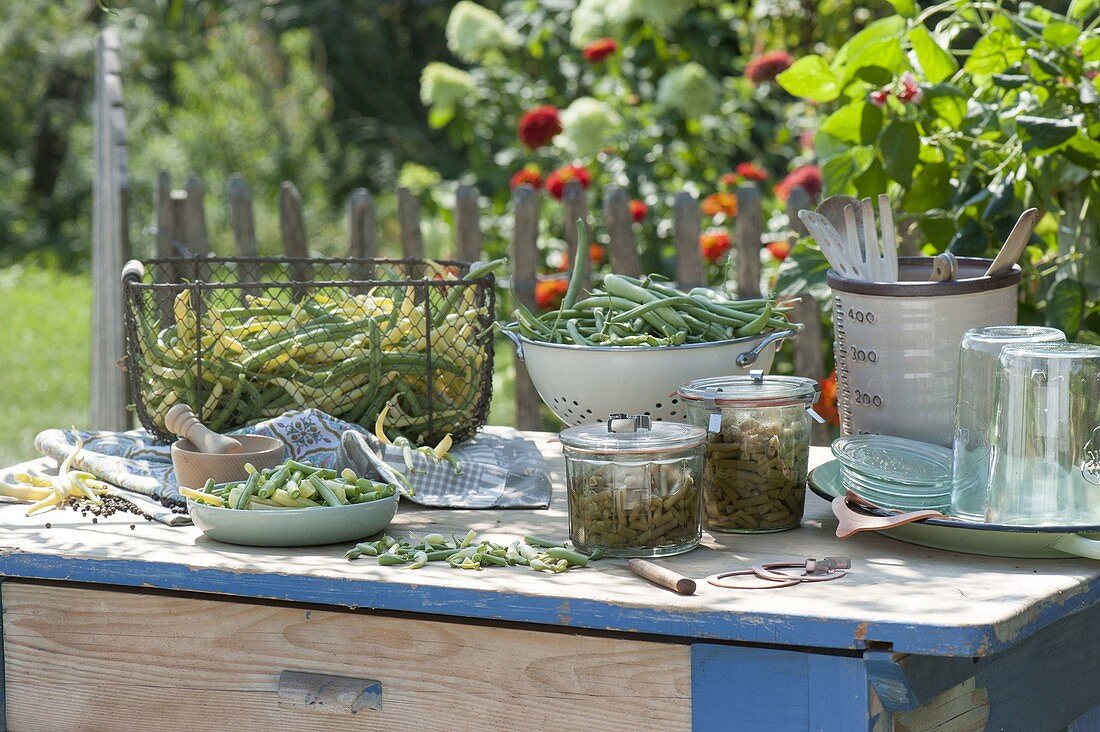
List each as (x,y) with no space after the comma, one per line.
(995,540)
(294,526)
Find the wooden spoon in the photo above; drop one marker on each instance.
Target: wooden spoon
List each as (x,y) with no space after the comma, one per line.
(1015,243)
(851,522)
(889,237)
(832,208)
(181,420)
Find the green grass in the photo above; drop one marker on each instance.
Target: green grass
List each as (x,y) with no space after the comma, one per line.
(45,326)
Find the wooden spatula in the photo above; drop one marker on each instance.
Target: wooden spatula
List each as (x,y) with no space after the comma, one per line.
(852,522)
(181,420)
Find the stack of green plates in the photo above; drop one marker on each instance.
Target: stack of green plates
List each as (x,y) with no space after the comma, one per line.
(894,472)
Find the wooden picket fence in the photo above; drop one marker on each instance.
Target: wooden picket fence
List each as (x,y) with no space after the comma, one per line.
(181,230)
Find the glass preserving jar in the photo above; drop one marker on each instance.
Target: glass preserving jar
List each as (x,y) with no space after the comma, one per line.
(633,486)
(757,448)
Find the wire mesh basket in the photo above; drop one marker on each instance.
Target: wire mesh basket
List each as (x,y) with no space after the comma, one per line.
(244,339)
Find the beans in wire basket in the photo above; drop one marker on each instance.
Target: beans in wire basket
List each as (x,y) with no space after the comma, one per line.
(344,352)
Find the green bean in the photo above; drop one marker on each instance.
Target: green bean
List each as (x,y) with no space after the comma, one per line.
(389,560)
(544,543)
(568,555)
(324,491)
(580,259)
(248,491)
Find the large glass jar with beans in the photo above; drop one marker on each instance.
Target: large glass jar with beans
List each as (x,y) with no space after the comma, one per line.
(633,486)
(757,448)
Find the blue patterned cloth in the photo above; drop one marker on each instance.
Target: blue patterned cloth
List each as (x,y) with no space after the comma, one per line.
(502,470)
(136,462)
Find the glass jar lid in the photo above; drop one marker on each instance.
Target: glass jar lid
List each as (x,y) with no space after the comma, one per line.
(754,390)
(632,433)
(894,460)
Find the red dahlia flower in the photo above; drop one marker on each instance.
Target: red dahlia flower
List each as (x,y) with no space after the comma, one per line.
(826,405)
(528,175)
(778,249)
(720,203)
(808,177)
(538,126)
(555,182)
(600,49)
(751,171)
(714,244)
(729,180)
(549,293)
(767,66)
(638,210)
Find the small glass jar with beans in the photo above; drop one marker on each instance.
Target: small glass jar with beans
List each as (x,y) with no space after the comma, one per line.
(757,448)
(633,486)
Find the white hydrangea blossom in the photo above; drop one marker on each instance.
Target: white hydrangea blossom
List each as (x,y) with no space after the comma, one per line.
(588,22)
(689,89)
(661,13)
(474,30)
(594,19)
(442,85)
(589,125)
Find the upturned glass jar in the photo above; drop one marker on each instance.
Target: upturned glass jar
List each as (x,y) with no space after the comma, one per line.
(757,448)
(633,486)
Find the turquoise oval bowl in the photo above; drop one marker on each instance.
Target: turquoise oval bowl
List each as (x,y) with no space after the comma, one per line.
(294,526)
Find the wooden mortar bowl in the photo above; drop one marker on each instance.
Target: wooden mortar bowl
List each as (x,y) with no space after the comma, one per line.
(194,468)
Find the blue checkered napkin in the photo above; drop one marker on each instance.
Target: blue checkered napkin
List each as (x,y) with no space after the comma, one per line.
(497,471)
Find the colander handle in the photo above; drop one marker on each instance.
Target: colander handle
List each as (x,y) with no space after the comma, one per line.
(748,358)
(515,339)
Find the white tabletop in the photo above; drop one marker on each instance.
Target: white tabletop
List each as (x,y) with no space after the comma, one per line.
(919,600)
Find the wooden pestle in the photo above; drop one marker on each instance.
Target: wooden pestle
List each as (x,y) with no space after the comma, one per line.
(181,420)
(661,576)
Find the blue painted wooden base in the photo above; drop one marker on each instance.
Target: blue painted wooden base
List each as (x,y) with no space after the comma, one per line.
(741,688)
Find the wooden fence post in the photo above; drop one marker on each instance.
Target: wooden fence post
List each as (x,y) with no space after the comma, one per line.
(525,237)
(575,206)
(749,230)
(167,243)
(292,227)
(362,233)
(809,360)
(687,228)
(622,245)
(243,222)
(408,217)
(110,241)
(362,225)
(798,200)
(467,224)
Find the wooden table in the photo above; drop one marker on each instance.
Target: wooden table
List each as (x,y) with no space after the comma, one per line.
(113,627)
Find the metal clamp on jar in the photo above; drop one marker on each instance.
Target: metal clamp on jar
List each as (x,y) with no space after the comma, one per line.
(633,486)
(758,448)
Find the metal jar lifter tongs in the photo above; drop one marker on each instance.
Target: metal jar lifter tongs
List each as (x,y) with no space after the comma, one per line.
(813,570)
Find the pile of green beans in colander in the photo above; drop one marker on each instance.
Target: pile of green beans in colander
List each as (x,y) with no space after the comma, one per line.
(755,474)
(618,508)
(628,311)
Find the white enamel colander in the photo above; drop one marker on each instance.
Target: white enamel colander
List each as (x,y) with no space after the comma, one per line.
(584,384)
